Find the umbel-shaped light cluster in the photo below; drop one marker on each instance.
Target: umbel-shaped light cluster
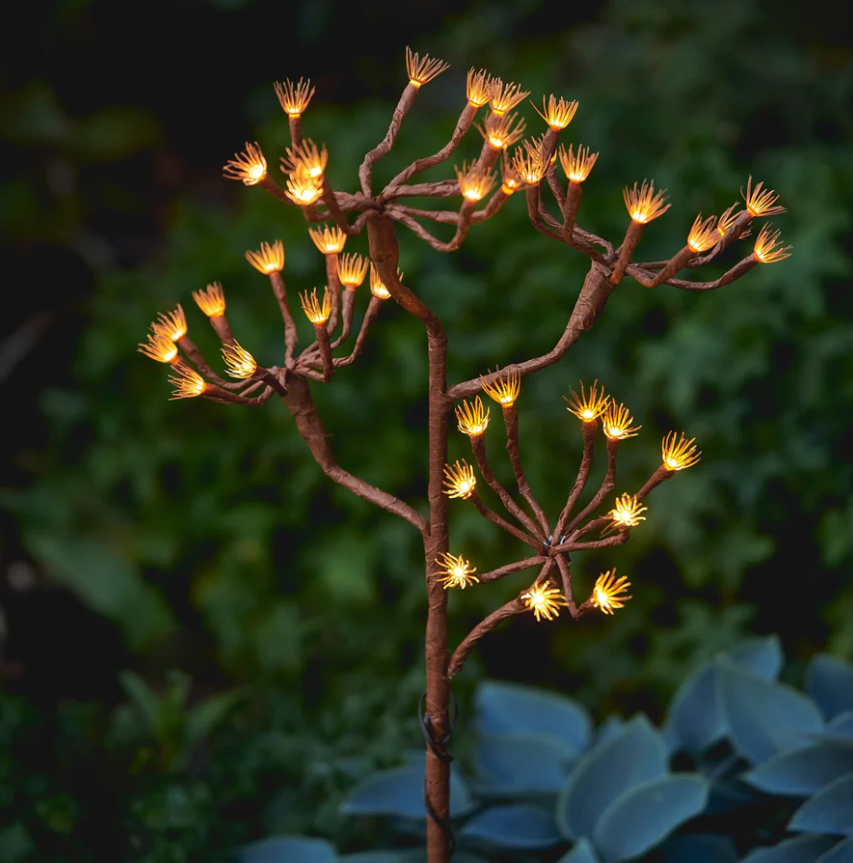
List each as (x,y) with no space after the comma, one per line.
(476,189)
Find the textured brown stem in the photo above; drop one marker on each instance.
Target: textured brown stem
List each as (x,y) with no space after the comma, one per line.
(348,302)
(190,349)
(384,146)
(570,208)
(331,202)
(514,606)
(290,336)
(566,576)
(607,486)
(511,423)
(494,518)
(325,351)
(222,329)
(659,476)
(589,429)
(508,569)
(269,185)
(295,124)
(632,237)
(677,262)
(334,285)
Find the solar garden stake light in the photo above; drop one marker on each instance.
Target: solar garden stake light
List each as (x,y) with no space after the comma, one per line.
(482,187)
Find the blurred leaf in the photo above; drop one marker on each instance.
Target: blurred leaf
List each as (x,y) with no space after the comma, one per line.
(830,810)
(581,852)
(801,849)
(288,849)
(830,683)
(803,771)
(521,764)
(518,826)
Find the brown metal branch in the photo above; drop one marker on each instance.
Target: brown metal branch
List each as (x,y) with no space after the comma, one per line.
(494,518)
(384,146)
(608,484)
(334,285)
(511,422)
(508,569)
(192,351)
(291,337)
(588,429)
(457,660)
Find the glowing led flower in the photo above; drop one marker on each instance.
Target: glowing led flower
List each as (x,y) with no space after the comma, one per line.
(159,347)
(679,453)
(510,178)
(377,286)
(172,325)
(478,88)
(529,165)
(643,204)
(475,182)
(303,189)
(420,71)
(352,270)
(459,571)
(250,166)
(761,202)
(703,235)
(504,388)
(588,406)
(577,165)
(307,159)
(627,511)
(557,113)
(473,418)
(315,311)
(505,97)
(617,422)
(211,300)
(767,246)
(187,381)
(294,98)
(239,363)
(543,601)
(725,221)
(499,131)
(610,592)
(329,242)
(270,258)
(459,480)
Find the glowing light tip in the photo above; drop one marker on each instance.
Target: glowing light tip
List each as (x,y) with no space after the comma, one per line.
(617,422)
(294,98)
(557,113)
(768,248)
(478,88)
(679,453)
(588,406)
(250,166)
(159,347)
(459,480)
(703,235)
(187,381)
(504,388)
(610,592)
(459,572)
(643,203)
(502,131)
(351,270)
(269,259)
(529,165)
(543,601)
(473,417)
(577,165)
(759,201)
(328,241)
(172,325)
(315,311)
(303,189)
(377,286)
(239,363)
(627,511)
(422,70)
(474,182)
(504,97)
(211,300)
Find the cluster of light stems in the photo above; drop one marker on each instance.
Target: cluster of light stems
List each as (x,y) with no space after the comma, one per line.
(521,165)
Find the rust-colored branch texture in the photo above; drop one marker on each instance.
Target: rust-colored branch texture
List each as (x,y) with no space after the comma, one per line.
(470,193)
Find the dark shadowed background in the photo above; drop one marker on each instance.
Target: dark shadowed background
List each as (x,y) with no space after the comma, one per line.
(203,641)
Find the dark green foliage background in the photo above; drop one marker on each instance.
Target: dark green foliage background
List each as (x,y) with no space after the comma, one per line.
(273,622)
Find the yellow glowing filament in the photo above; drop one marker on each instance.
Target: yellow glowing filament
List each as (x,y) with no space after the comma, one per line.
(610,592)
(703,235)
(473,418)
(504,388)
(577,165)
(475,182)
(678,453)
(239,363)
(315,311)
(543,601)
(187,381)
(767,246)
(211,300)
(329,242)
(529,165)
(421,71)
(588,406)
(725,221)
(459,480)
(172,325)
(643,204)
(505,97)
(294,98)
(557,113)
(159,347)
(250,166)
(502,131)
(459,571)
(761,202)
(377,286)
(617,422)
(510,178)
(303,189)
(627,511)
(478,88)
(352,270)
(270,258)
(307,159)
